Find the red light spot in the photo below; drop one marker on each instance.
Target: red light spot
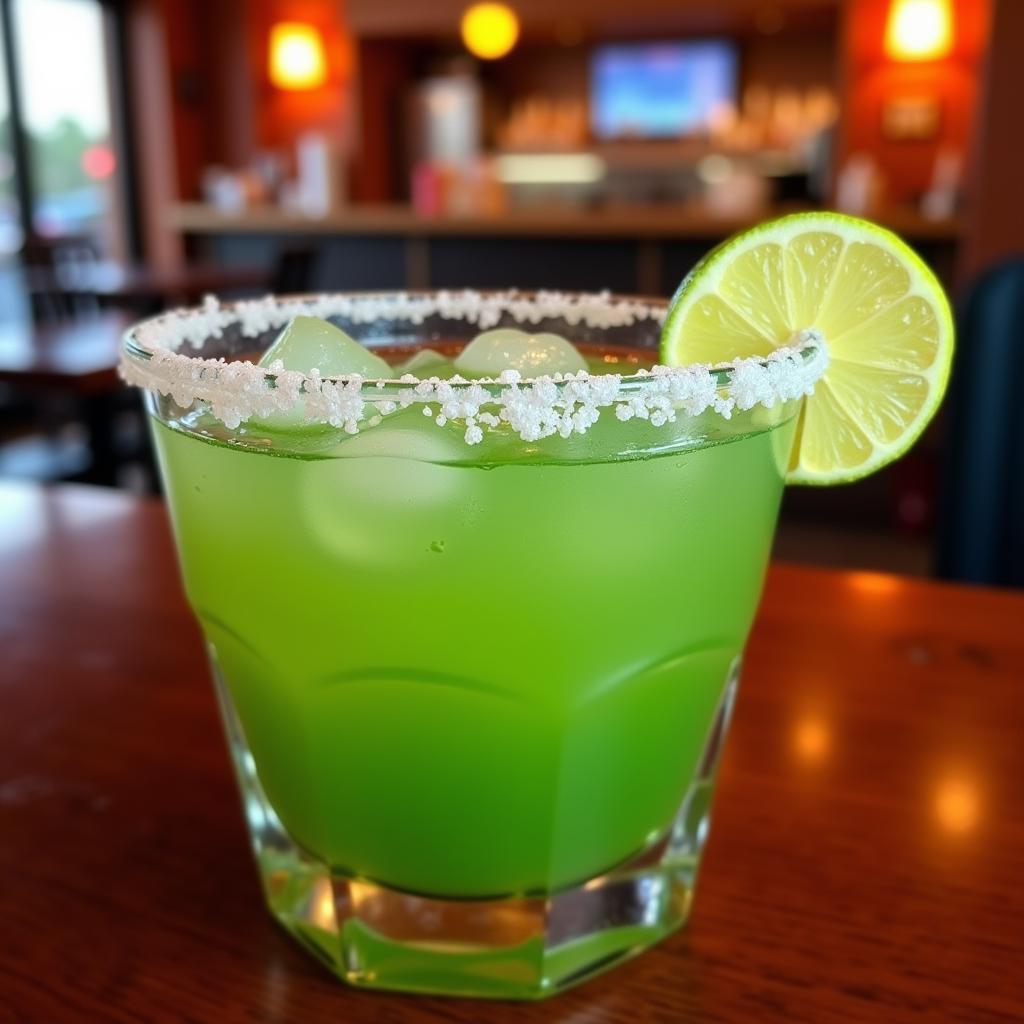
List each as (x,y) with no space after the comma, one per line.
(99,161)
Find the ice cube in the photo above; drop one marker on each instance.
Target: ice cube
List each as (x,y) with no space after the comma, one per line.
(424,363)
(388,493)
(309,343)
(406,434)
(506,348)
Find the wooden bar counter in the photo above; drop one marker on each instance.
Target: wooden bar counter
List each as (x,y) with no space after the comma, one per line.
(633,249)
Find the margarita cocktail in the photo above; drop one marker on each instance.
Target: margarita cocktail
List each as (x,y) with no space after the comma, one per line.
(475,592)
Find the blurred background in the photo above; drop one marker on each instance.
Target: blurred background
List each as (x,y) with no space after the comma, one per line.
(152,151)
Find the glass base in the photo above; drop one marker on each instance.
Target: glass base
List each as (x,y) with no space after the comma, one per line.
(527,947)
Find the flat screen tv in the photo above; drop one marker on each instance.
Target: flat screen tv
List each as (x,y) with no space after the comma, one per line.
(659,90)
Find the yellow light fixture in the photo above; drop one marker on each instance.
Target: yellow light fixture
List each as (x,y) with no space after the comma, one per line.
(489,30)
(297,59)
(919,30)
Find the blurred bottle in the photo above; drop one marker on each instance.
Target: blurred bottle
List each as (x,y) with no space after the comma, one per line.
(427,189)
(860,186)
(268,167)
(465,189)
(223,189)
(544,123)
(943,197)
(320,174)
(446,115)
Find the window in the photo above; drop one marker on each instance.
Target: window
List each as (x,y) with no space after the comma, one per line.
(11,235)
(67,116)
(64,109)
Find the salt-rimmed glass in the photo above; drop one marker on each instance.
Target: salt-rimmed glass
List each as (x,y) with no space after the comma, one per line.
(475,716)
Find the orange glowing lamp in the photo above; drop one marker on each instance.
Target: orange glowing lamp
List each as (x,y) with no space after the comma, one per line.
(297,60)
(919,30)
(489,30)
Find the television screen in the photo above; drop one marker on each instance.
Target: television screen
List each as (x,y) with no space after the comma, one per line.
(659,90)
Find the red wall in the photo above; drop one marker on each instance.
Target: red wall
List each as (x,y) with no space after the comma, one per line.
(281,116)
(995,199)
(222,105)
(870,79)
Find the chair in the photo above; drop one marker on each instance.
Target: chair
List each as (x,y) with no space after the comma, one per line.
(52,268)
(981,515)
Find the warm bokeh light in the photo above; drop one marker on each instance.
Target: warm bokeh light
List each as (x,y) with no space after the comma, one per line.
(297,59)
(874,584)
(489,30)
(956,805)
(550,168)
(811,738)
(919,30)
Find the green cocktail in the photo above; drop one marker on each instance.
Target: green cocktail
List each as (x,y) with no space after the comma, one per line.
(475,665)
(431,664)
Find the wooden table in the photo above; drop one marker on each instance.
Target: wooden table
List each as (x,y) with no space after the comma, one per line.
(79,355)
(76,357)
(865,861)
(144,288)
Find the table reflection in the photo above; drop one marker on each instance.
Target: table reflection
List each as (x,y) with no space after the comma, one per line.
(812,737)
(873,584)
(956,804)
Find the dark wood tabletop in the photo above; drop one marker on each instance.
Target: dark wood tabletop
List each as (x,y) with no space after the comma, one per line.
(80,354)
(865,862)
(185,283)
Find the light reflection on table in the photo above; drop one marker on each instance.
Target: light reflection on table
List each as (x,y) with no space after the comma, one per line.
(812,737)
(957,804)
(873,584)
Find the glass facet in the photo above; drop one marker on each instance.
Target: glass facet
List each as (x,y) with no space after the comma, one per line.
(476,695)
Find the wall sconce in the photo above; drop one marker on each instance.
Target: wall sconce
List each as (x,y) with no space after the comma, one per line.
(489,30)
(919,30)
(296,57)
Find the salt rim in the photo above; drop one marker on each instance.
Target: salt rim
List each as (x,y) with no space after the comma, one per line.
(534,408)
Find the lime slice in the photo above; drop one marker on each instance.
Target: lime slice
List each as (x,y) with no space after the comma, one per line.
(884,317)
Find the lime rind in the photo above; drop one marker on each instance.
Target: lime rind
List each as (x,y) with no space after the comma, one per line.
(706,280)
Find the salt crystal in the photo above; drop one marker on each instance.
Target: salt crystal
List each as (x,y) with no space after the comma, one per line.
(534,408)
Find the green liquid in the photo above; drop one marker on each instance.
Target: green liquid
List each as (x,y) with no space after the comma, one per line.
(489,677)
